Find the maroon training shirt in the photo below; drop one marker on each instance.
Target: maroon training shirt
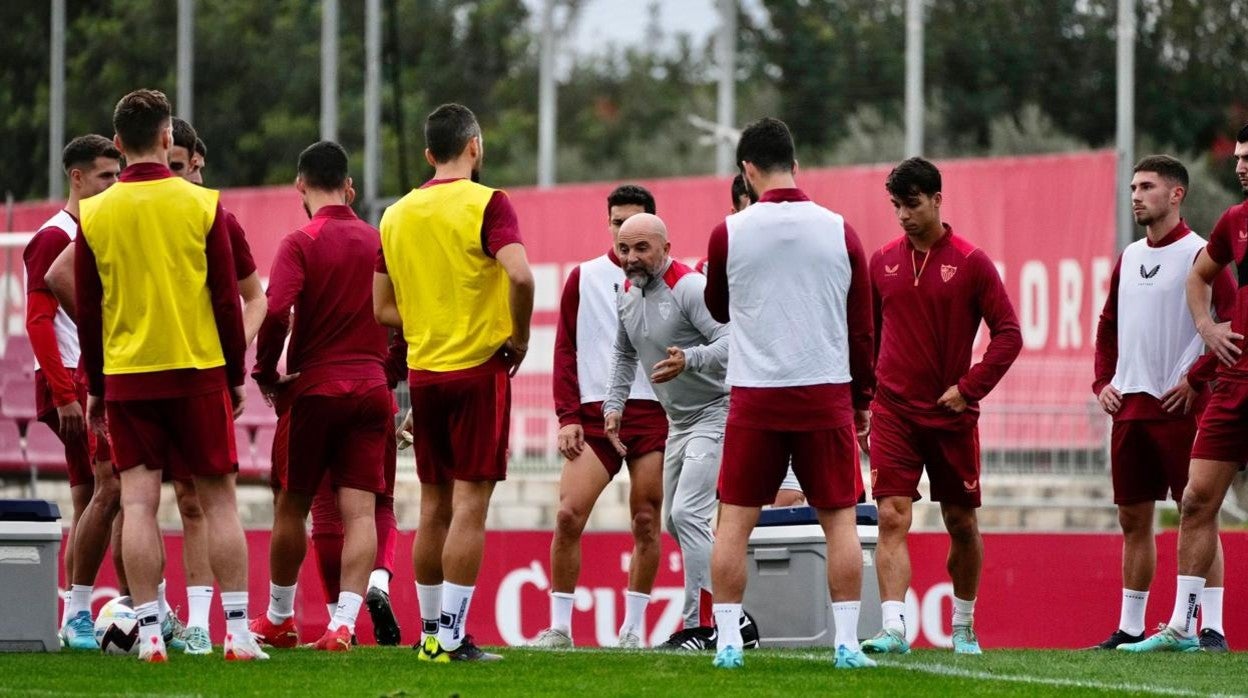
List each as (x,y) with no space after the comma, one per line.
(324,271)
(926,330)
(226,309)
(1228,243)
(1142,406)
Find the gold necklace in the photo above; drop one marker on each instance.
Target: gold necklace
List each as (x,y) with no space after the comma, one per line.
(918,270)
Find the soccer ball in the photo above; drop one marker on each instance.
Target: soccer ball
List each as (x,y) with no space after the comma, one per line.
(117,628)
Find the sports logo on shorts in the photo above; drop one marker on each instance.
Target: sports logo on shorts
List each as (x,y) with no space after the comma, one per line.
(875,475)
(1149,273)
(947,271)
(1243,234)
(971,485)
(890,270)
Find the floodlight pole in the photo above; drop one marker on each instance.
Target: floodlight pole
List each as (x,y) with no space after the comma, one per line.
(546,99)
(329,70)
(1125,121)
(186,59)
(56,102)
(726,57)
(372,105)
(914,78)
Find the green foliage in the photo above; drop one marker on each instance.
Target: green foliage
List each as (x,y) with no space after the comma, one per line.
(1002,77)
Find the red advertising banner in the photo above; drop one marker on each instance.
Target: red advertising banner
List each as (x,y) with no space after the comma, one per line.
(1047,221)
(1037,590)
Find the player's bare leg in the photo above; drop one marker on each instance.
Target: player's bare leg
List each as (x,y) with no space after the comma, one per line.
(287,547)
(728,577)
(461,562)
(840,529)
(359,550)
(645,501)
(227,554)
(89,538)
(435,521)
(81,633)
(143,552)
(1139,551)
(966,560)
(119,564)
(892,567)
(581,482)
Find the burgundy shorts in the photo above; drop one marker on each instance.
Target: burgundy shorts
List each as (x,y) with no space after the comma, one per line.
(184,436)
(460,427)
(1149,458)
(280,457)
(342,436)
(900,449)
(1223,433)
(81,454)
(636,444)
(756,460)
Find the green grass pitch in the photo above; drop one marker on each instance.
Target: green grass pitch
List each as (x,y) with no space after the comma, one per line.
(393,672)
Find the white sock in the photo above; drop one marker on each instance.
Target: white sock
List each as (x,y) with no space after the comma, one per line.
(160,599)
(894,616)
(561,611)
(79,599)
(149,623)
(281,602)
(65,596)
(199,602)
(1186,601)
(1134,603)
(1211,609)
(235,605)
(963,612)
(331,607)
(845,616)
(727,625)
(635,604)
(380,579)
(456,600)
(430,598)
(347,611)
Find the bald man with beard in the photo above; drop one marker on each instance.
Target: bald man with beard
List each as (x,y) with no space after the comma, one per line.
(666,328)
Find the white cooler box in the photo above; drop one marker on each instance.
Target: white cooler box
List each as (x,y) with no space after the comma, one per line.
(787,570)
(30,543)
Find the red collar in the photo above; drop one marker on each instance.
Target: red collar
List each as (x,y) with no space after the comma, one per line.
(1176,233)
(342,211)
(145,172)
(772,196)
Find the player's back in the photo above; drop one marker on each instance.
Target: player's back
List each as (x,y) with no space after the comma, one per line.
(451,294)
(149,238)
(334,329)
(789,276)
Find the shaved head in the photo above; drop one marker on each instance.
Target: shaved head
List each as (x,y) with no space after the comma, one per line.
(642,247)
(644,224)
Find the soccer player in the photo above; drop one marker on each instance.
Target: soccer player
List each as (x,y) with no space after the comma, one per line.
(1150,376)
(790,493)
(170,396)
(92,164)
(1220,449)
(664,325)
(199,160)
(588,324)
(926,409)
(792,277)
(453,234)
(182,160)
(340,414)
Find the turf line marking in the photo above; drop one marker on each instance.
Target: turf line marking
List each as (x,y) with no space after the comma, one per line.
(19,691)
(958,672)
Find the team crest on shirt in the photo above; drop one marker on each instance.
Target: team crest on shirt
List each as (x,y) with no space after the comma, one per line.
(947,271)
(891,270)
(665,309)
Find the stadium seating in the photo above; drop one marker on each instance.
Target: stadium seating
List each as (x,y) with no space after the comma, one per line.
(17,401)
(45,450)
(12,461)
